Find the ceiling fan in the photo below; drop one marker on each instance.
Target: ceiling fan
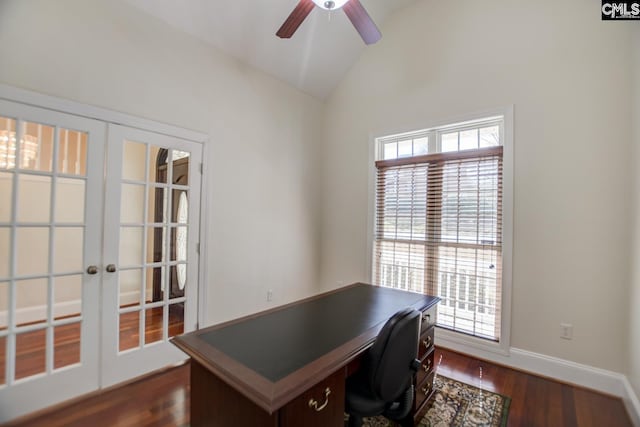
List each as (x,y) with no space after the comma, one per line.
(352,8)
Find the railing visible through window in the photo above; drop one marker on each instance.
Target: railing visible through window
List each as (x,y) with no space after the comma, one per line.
(438,226)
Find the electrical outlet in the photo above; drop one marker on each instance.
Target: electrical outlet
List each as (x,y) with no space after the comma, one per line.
(269,294)
(566,331)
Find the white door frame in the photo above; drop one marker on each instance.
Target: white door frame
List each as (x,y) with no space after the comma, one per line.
(36,99)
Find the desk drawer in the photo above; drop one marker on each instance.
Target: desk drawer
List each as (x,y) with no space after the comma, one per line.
(424,390)
(426,342)
(322,405)
(426,367)
(429,318)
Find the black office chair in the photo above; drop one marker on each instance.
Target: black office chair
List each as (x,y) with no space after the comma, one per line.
(384,383)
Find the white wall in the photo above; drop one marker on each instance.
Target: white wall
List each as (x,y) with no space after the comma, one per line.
(634,300)
(565,72)
(263,226)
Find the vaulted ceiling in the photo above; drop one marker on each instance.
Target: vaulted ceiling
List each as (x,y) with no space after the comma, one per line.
(323,49)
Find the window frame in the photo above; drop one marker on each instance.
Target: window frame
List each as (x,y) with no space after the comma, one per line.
(448,338)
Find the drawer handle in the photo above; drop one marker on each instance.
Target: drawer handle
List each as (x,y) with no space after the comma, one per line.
(427,342)
(314,403)
(427,366)
(426,390)
(426,317)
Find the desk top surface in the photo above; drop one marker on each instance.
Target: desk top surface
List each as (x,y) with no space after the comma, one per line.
(280,343)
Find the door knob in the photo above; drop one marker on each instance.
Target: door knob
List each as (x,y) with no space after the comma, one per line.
(111,268)
(92,269)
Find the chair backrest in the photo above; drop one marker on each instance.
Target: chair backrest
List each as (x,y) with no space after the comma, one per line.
(392,354)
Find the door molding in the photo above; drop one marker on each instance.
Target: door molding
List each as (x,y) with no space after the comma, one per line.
(40,100)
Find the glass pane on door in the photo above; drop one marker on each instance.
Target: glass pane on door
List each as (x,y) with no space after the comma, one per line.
(3,359)
(129,330)
(6,191)
(5,242)
(4,324)
(31,354)
(66,339)
(72,153)
(67,295)
(154,324)
(69,207)
(31,301)
(7,143)
(4,309)
(36,147)
(34,201)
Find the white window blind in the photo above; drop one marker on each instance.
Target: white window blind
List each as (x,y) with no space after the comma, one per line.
(438,229)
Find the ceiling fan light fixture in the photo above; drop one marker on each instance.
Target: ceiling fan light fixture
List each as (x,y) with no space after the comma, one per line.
(330,4)
(352,8)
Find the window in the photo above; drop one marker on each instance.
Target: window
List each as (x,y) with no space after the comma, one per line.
(438,221)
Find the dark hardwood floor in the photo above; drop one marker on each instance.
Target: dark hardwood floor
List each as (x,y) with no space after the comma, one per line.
(536,401)
(162,399)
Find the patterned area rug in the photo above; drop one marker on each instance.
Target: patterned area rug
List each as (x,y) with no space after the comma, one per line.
(459,405)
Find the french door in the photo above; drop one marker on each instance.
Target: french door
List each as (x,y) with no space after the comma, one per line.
(98,253)
(50,229)
(150,250)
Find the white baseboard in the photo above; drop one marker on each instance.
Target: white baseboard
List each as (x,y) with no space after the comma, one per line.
(632,403)
(39,312)
(597,379)
(66,308)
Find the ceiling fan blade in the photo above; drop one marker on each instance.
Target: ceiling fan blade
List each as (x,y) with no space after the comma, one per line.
(294,20)
(362,21)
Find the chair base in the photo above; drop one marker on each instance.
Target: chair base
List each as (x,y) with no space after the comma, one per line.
(399,412)
(355,420)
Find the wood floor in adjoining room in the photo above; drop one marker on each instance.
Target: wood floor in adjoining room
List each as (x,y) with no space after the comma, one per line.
(162,399)
(30,357)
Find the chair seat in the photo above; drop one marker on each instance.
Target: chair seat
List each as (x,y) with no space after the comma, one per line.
(383,384)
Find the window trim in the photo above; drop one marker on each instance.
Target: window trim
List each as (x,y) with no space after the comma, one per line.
(447,338)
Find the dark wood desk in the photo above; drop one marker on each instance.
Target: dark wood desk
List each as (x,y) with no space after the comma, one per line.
(268,369)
